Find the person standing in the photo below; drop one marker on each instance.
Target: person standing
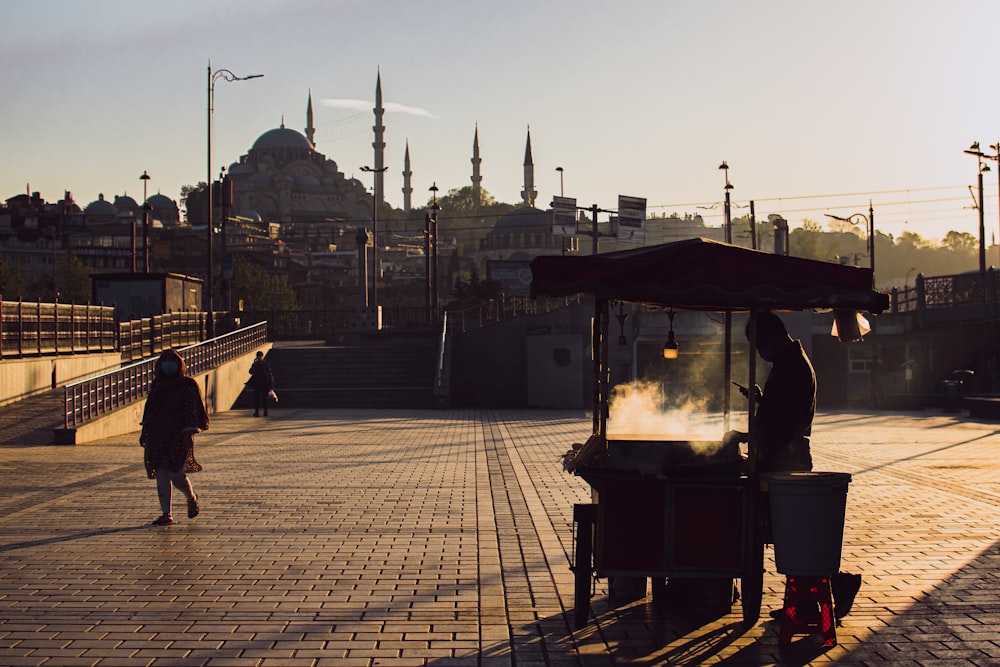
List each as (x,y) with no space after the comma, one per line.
(262,382)
(783,423)
(174,412)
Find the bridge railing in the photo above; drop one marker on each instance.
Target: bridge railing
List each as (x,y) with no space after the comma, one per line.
(101,394)
(29,329)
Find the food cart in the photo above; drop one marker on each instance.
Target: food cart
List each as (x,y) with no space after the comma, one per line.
(660,509)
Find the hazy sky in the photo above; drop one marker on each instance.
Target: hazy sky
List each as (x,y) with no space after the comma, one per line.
(816,106)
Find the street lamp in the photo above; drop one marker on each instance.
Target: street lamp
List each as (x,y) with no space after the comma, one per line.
(212,78)
(560,170)
(430,256)
(145,226)
(869,229)
(376,272)
(728,210)
(980,156)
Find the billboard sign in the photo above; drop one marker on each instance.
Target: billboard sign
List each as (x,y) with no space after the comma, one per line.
(632,219)
(513,275)
(564,216)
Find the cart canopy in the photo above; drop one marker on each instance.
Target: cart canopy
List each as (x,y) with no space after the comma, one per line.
(708,275)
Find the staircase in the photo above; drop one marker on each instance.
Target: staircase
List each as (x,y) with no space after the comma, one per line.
(381,372)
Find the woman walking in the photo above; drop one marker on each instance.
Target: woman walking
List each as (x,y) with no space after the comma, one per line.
(174,413)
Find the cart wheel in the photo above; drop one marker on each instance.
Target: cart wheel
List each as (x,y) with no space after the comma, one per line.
(585,516)
(752,581)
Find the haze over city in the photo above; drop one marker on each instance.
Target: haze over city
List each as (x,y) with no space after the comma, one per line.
(817,108)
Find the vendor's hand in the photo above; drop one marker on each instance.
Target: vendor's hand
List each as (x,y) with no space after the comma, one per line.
(757,393)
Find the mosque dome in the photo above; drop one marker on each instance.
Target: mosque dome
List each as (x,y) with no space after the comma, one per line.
(158,201)
(240,169)
(100,207)
(307,181)
(281,138)
(125,202)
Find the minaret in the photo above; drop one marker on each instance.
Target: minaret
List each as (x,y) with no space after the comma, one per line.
(529,194)
(477,178)
(407,175)
(310,127)
(379,143)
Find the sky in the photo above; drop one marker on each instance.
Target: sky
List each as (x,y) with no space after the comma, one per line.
(817,107)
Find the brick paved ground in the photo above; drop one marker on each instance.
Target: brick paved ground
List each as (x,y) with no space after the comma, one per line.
(442,538)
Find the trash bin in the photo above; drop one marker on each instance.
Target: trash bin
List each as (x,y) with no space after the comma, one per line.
(952,390)
(807,521)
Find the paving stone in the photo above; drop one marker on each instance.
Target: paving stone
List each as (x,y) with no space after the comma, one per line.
(420,537)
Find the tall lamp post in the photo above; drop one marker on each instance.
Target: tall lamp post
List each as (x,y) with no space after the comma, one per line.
(728,210)
(212,78)
(145,225)
(869,230)
(560,170)
(982,168)
(375,267)
(430,256)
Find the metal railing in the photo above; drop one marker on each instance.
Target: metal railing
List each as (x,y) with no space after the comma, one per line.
(491,312)
(138,339)
(31,329)
(91,398)
(936,292)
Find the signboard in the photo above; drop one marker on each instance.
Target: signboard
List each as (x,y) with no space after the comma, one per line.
(564,216)
(632,219)
(513,275)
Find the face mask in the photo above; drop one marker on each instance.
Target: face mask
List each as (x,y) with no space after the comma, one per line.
(169,367)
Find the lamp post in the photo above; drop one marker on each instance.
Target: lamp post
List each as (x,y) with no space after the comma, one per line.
(982,168)
(869,230)
(728,315)
(560,170)
(728,209)
(375,267)
(226,75)
(430,257)
(145,225)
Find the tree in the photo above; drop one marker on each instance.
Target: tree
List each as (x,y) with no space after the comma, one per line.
(13,284)
(259,291)
(475,290)
(960,242)
(73,280)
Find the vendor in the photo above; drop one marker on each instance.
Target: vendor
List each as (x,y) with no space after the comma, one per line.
(783,423)
(786,407)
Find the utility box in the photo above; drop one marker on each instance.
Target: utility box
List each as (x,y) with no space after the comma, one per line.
(136,295)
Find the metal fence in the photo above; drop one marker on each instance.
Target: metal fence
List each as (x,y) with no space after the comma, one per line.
(138,339)
(491,312)
(30,329)
(963,289)
(99,395)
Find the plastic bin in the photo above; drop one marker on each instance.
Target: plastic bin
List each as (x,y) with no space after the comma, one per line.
(952,391)
(807,521)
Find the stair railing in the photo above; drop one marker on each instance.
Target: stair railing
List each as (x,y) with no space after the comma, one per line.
(93,397)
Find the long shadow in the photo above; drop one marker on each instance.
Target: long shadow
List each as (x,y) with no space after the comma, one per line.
(71,538)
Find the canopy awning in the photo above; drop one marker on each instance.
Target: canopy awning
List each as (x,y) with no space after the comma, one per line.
(702,274)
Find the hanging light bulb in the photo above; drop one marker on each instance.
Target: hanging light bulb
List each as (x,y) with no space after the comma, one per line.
(670,347)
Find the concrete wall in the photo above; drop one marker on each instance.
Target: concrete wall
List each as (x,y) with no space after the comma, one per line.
(532,361)
(21,378)
(220,387)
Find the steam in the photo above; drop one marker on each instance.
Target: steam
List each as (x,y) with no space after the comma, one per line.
(640,410)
